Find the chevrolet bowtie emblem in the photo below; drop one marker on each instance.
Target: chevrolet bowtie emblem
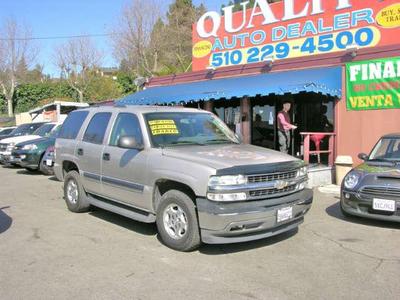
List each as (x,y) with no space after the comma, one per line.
(280,185)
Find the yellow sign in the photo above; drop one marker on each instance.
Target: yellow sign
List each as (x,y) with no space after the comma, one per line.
(163,127)
(202,49)
(389,17)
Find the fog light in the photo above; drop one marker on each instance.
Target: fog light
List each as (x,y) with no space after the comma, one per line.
(347,196)
(23,156)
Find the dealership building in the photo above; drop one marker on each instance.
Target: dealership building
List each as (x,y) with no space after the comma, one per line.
(336,61)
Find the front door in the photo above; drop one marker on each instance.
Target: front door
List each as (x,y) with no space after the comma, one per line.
(124,170)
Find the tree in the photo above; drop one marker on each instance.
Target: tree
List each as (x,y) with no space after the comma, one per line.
(181,16)
(17,52)
(78,60)
(132,36)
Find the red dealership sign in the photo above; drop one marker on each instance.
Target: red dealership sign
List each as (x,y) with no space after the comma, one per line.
(292,28)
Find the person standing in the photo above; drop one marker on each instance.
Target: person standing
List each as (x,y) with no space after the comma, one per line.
(285,127)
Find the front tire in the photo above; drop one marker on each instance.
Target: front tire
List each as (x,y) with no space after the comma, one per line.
(177,221)
(74,194)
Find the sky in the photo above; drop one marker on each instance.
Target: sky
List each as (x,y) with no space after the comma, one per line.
(50,18)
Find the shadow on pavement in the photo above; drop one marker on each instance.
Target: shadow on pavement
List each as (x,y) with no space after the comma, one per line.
(247,246)
(30,173)
(334,211)
(53,178)
(141,228)
(5,220)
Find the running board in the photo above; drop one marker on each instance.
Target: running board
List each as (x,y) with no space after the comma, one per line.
(121,209)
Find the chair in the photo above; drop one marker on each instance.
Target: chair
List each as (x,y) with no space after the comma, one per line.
(317,138)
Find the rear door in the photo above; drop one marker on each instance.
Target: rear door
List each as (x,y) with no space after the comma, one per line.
(89,151)
(124,170)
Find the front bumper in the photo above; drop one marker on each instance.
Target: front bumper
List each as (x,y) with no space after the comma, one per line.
(26,159)
(6,158)
(362,206)
(222,223)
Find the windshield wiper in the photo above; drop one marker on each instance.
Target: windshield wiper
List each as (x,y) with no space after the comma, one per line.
(185,143)
(220,141)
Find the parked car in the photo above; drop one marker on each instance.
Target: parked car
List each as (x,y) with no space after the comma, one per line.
(183,169)
(29,154)
(372,190)
(47,163)
(5,131)
(21,130)
(28,133)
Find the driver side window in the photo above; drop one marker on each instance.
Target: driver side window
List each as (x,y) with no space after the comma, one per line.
(126,125)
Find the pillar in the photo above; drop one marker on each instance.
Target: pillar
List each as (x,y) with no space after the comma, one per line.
(245,111)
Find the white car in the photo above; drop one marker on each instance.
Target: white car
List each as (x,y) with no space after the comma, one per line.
(7,145)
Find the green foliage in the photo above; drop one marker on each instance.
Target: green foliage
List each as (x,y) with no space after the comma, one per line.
(31,95)
(102,89)
(126,83)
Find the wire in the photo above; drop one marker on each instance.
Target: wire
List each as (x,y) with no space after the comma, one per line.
(58,37)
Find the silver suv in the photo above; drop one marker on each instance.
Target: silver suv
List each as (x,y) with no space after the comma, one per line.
(181,168)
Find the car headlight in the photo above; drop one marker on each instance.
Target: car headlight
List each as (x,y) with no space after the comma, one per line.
(10,147)
(29,147)
(227,180)
(351,180)
(302,172)
(227,197)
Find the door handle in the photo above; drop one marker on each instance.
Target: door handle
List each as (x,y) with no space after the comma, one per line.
(80,151)
(106,156)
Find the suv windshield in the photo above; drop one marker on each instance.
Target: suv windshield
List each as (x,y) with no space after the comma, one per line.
(44,130)
(182,128)
(387,149)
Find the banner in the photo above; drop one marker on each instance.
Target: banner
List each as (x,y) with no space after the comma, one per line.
(265,32)
(373,84)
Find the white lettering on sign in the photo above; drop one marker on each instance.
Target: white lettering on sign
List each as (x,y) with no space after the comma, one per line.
(374,71)
(260,8)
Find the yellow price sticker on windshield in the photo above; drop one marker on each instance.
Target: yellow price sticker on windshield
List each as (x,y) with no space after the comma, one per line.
(163,127)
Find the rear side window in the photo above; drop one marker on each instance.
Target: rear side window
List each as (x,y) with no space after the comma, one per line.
(126,125)
(97,128)
(72,125)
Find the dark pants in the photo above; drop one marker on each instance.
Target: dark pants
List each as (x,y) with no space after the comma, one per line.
(284,141)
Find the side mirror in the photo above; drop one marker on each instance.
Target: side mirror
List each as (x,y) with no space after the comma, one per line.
(129,142)
(363,156)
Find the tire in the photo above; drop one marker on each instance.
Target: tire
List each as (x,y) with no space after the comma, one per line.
(74,194)
(185,236)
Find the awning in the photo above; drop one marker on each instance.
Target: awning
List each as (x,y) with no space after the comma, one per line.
(327,81)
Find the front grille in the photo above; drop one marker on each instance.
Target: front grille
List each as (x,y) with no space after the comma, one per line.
(381,191)
(272,192)
(3,147)
(272,177)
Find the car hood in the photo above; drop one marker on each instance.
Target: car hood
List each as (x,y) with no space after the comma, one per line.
(380,169)
(36,141)
(20,139)
(228,156)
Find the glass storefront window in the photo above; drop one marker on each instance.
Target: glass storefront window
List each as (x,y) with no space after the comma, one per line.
(230,115)
(263,126)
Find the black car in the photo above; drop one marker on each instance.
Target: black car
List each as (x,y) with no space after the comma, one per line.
(372,190)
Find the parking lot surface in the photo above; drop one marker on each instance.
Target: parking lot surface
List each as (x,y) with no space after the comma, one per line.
(47,252)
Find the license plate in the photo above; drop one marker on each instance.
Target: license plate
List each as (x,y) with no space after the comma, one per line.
(384,205)
(49,162)
(284,214)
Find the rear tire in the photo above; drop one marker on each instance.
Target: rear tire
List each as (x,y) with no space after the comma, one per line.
(177,221)
(74,194)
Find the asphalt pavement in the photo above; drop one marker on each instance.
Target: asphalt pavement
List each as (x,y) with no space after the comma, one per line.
(46,252)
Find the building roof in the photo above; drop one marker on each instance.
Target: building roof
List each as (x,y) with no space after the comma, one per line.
(39,110)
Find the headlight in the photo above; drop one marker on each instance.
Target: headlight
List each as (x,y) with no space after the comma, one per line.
(227,180)
(29,147)
(10,147)
(227,197)
(302,172)
(351,180)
